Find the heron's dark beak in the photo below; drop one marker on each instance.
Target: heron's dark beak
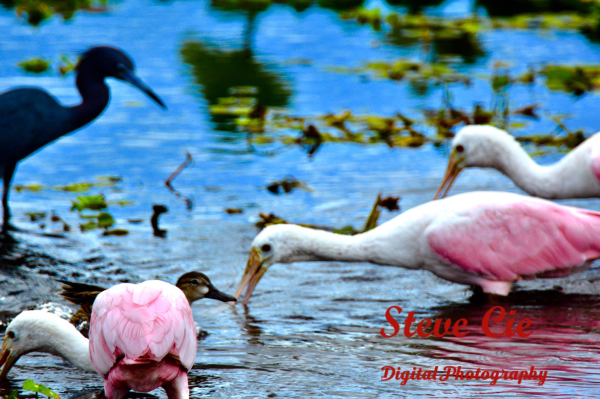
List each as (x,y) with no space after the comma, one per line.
(214,293)
(130,77)
(455,166)
(252,275)
(7,360)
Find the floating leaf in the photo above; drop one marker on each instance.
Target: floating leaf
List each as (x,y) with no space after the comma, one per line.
(35,65)
(92,202)
(29,187)
(88,226)
(31,386)
(234,211)
(105,220)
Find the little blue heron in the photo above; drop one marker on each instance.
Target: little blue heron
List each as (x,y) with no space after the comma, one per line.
(30,118)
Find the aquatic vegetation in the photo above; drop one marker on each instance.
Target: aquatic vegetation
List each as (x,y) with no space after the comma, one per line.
(29,187)
(389,203)
(91,202)
(577,79)
(35,65)
(31,386)
(37,11)
(100,218)
(364,16)
(417,73)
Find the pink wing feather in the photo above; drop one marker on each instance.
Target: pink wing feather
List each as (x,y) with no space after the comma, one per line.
(518,239)
(150,320)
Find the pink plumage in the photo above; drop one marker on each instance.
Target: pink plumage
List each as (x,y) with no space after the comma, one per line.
(142,337)
(519,238)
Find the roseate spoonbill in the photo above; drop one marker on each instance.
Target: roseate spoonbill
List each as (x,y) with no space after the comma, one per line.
(30,118)
(195,286)
(577,175)
(142,337)
(483,239)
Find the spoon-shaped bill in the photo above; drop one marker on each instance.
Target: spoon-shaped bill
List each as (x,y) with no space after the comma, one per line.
(7,360)
(252,275)
(452,171)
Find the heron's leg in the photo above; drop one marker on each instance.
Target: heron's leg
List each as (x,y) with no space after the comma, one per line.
(178,388)
(7,179)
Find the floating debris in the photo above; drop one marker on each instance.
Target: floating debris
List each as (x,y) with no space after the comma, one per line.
(36,216)
(287,185)
(115,232)
(234,211)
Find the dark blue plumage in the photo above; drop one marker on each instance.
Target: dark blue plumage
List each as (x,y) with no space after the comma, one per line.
(30,118)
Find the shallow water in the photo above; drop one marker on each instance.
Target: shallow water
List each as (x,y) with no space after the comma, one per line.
(310,330)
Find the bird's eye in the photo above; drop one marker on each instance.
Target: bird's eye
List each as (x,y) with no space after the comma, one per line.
(195,282)
(11,334)
(121,68)
(460,148)
(266,248)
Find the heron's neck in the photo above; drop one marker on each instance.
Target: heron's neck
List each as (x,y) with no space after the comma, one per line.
(318,245)
(65,341)
(535,179)
(94,94)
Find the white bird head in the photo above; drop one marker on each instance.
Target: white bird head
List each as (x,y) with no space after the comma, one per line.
(275,244)
(30,331)
(475,146)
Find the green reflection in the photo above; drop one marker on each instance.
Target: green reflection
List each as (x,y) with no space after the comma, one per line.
(414,6)
(506,8)
(255,6)
(221,72)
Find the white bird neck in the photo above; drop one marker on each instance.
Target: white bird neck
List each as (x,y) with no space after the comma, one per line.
(541,181)
(63,339)
(318,245)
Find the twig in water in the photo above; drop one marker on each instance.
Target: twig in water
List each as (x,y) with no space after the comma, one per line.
(181,167)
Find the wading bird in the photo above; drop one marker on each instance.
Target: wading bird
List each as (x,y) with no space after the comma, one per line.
(30,118)
(483,239)
(47,332)
(577,175)
(142,337)
(195,286)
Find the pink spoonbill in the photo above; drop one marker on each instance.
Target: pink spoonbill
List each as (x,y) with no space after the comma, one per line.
(577,175)
(142,337)
(483,239)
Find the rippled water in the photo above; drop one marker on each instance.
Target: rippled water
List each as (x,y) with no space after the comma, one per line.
(311,330)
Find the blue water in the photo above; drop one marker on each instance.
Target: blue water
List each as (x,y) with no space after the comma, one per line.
(311,330)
